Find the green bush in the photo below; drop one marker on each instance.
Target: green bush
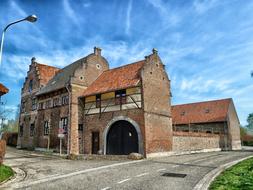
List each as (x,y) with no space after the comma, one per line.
(5,172)
(238,177)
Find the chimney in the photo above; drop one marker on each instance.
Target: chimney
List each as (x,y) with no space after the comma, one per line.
(97,51)
(154,51)
(33,60)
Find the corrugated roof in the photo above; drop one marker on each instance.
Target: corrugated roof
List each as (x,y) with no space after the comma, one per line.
(3,89)
(115,79)
(62,77)
(201,112)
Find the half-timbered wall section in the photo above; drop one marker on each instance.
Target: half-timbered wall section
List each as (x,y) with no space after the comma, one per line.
(124,99)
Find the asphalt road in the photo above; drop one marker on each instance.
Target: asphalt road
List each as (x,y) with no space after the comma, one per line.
(45,172)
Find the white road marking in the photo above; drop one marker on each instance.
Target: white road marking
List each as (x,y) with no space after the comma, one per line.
(187,163)
(106,188)
(142,174)
(161,170)
(124,180)
(174,166)
(23,185)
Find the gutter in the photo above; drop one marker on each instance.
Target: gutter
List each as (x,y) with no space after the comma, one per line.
(68,132)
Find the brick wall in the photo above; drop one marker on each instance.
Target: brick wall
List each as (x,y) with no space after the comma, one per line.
(183,141)
(28,115)
(233,128)
(94,123)
(157,105)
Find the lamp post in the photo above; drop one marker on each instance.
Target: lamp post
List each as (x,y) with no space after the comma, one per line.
(31,18)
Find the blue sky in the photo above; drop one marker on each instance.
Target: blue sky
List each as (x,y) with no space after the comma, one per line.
(206,45)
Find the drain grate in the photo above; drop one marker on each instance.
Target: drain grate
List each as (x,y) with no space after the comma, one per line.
(173,175)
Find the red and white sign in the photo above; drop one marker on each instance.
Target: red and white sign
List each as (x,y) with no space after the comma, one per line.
(61,131)
(61,136)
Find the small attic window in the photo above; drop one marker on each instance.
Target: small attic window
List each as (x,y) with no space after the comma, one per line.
(30,85)
(182,113)
(81,77)
(207,110)
(98,66)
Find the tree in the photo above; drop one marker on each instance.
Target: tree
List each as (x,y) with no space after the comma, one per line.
(250,121)
(243,131)
(12,125)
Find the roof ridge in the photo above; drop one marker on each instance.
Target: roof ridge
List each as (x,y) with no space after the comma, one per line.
(202,102)
(120,67)
(41,64)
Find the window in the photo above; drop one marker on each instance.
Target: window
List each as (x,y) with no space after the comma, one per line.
(55,102)
(32,130)
(22,106)
(34,104)
(120,97)
(48,104)
(182,113)
(64,124)
(98,100)
(41,105)
(65,100)
(46,128)
(80,127)
(30,85)
(21,130)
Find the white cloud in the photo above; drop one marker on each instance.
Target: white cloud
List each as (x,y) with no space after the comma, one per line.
(18,9)
(70,12)
(168,16)
(86,4)
(202,6)
(128,16)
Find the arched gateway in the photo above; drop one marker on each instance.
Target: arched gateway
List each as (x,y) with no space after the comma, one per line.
(122,136)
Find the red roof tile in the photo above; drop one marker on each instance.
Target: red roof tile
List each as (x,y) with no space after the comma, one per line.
(115,79)
(201,112)
(46,72)
(3,89)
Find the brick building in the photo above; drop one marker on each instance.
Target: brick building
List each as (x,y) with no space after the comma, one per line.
(106,111)
(215,119)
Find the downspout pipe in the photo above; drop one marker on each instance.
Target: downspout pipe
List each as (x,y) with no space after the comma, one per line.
(68,132)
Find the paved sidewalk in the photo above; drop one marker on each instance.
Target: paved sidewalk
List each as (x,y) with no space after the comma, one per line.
(173,172)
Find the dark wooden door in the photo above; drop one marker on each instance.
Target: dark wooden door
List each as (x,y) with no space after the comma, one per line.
(95,142)
(122,139)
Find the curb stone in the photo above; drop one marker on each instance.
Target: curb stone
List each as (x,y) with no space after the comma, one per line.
(19,175)
(205,182)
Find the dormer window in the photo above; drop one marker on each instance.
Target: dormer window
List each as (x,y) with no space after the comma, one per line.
(98,100)
(207,111)
(30,85)
(120,97)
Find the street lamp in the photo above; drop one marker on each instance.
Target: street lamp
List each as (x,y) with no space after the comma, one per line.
(31,18)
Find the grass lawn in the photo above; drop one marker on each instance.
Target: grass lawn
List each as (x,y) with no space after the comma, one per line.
(239,176)
(5,172)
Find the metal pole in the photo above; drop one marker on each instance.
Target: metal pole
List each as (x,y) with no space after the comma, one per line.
(2,40)
(1,48)
(60,145)
(48,139)
(31,18)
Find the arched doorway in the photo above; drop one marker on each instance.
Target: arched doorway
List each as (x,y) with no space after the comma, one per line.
(122,138)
